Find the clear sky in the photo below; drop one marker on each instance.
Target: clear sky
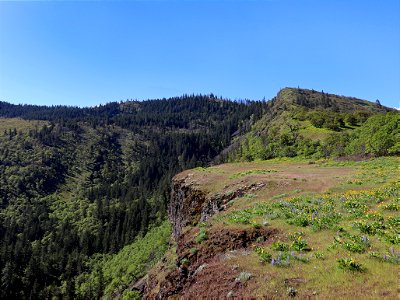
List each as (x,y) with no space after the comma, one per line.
(90,52)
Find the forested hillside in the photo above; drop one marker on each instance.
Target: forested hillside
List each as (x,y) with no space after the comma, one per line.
(75,182)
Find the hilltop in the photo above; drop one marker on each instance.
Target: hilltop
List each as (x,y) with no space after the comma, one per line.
(300,122)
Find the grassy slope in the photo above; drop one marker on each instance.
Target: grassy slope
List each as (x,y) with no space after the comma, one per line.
(290,109)
(315,99)
(363,200)
(19,124)
(341,210)
(313,133)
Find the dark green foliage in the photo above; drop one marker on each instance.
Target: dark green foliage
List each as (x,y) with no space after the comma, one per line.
(93,179)
(326,119)
(300,245)
(114,273)
(351,119)
(279,246)
(362,115)
(316,119)
(264,256)
(336,144)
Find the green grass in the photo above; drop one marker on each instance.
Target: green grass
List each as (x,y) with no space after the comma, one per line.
(341,243)
(19,124)
(365,210)
(313,133)
(252,172)
(208,170)
(351,232)
(371,173)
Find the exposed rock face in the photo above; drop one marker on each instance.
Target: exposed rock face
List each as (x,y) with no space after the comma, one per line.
(185,205)
(208,266)
(199,265)
(189,205)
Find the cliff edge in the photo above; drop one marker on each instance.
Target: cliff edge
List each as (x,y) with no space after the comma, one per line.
(281,228)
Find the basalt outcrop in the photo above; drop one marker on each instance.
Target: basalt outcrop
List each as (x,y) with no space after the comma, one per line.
(196,271)
(191,204)
(199,264)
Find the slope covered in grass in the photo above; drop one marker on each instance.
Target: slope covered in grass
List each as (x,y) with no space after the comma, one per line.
(307,123)
(327,228)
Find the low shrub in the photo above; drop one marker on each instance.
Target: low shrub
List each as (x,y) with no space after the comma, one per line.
(279,246)
(350,264)
(201,236)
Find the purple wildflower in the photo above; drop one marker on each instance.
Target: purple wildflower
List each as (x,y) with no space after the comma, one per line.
(273,261)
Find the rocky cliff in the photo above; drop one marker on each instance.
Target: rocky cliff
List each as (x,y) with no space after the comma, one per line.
(191,204)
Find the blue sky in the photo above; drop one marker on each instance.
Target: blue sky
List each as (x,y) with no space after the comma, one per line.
(90,52)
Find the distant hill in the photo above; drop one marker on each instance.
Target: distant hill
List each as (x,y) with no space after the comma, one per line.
(319,100)
(298,122)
